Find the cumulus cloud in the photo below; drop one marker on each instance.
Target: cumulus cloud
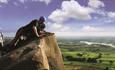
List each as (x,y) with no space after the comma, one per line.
(56,27)
(59,27)
(45,1)
(108,21)
(71,9)
(74,34)
(89,28)
(101,12)
(4,1)
(111,14)
(23,1)
(96,4)
(98,7)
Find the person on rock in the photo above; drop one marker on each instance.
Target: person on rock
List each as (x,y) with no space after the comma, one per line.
(35,29)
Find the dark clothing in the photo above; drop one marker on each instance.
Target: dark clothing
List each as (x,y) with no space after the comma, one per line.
(28,29)
(35,23)
(25,35)
(27,32)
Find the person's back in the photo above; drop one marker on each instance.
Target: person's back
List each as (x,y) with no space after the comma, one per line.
(35,29)
(27,33)
(28,29)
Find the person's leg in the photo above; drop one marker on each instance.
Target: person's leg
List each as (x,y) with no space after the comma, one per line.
(0,48)
(17,36)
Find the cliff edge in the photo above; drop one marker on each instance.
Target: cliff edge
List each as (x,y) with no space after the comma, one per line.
(43,54)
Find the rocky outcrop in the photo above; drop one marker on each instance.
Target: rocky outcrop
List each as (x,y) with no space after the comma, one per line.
(37,55)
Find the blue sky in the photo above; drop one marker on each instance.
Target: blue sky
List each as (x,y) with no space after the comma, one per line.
(64,17)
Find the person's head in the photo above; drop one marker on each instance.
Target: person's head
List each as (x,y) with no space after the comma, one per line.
(41,19)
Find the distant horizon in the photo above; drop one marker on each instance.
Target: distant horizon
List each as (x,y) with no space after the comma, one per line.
(59,36)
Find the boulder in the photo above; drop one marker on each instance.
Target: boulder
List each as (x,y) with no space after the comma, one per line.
(43,54)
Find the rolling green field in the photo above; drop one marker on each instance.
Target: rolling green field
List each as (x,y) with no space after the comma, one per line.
(81,56)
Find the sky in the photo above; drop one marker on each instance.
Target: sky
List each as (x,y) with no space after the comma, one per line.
(63,17)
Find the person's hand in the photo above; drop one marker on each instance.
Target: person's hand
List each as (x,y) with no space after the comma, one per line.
(42,32)
(42,35)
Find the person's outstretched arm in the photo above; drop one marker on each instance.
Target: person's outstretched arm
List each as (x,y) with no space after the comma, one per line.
(35,31)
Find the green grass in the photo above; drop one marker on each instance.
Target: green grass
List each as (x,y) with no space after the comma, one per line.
(69,54)
(74,54)
(108,55)
(106,58)
(82,66)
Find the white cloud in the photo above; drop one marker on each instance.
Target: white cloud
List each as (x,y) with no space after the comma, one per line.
(96,4)
(73,34)
(45,1)
(4,1)
(23,1)
(98,7)
(108,21)
(95,17)
(101,12)
(89,28)
(111,14)
(57,27)
(58,16)
(71,9)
